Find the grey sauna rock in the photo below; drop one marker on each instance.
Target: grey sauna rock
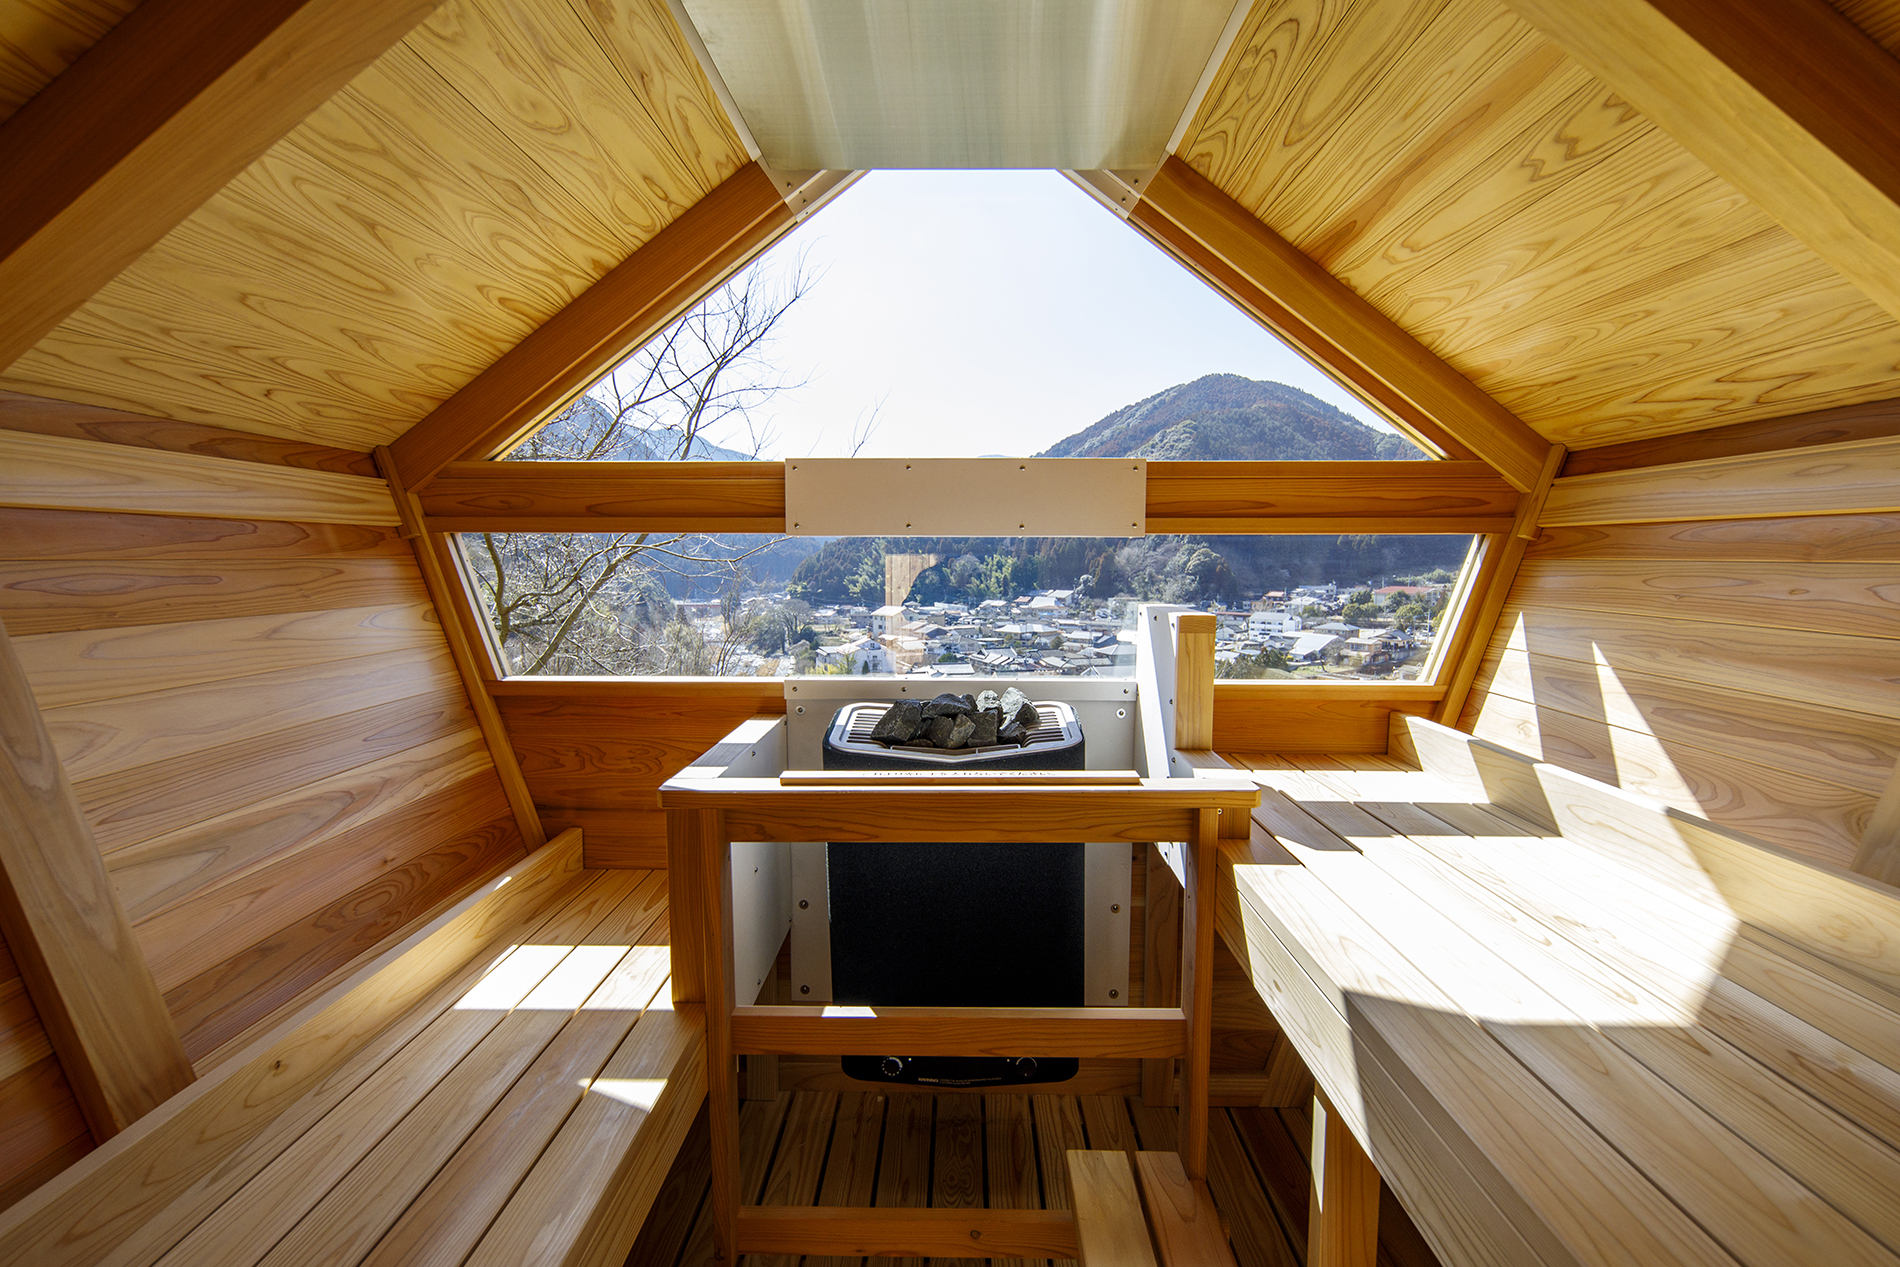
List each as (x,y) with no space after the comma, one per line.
(948,705)
(937,730)
(1017,710)
(988,699)
(900,722)
(1013,733)
(960,732)
(988,721)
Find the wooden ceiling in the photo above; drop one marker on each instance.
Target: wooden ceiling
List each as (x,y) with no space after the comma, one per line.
(473,181)
(1460,172)
(1440,157)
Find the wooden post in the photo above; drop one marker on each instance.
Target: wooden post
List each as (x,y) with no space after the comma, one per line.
(1197,990)
(61,915)
(709,840)
(1342,1222)
(1194,682)
(1161,966)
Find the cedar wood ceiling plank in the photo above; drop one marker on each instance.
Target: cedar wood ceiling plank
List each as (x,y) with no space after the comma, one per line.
(1319,315)
(149,123)
(1786,99)
(709,242)
(67,930)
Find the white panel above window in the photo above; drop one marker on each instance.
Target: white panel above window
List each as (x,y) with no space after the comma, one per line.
(966,497)
(1071,84)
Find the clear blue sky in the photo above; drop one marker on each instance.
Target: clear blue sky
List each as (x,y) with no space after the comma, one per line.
(994,312)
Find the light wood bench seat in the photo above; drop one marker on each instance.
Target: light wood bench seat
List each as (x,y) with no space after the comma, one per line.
(1570,1025)
(522,1105)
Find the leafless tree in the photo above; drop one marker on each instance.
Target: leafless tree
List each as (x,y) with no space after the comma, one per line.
(597,603)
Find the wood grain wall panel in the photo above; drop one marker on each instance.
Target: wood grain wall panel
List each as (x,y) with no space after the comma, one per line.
(1854,749)
(1879,18)
(468,185)
(275,790)
(1318,718)
(41,1129)
(216,1006)
(223,920)
(102,737)
(149,800)
(1851,598)
(1830,670)
(98,664)
(1522,221)
(1809,539)
(1744,670)
(113,426)
(1819,820)
(1799,431)
(155,873)
(40,39)
(94,594)
(47,535)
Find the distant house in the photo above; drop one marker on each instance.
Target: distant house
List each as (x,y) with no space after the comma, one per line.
(1309,647)
(887,620)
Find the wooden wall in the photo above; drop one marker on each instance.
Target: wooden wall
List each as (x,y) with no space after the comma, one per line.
(594,752)
(1745,669)
(274,751)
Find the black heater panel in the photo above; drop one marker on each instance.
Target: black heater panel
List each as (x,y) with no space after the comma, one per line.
(957,925)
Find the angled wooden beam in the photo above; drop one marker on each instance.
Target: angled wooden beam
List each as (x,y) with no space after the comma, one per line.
(1484,602)
(1342,1221)
(62,918)
(710,241)
(1315,312)
(446,592)
(149,123)
(1879,855)
(1787,100)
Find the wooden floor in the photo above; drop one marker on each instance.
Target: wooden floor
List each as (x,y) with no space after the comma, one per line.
(996,1151)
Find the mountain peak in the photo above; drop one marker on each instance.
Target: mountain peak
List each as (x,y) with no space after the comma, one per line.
(1225,417)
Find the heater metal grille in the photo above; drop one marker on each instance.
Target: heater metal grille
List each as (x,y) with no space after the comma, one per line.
(851,732)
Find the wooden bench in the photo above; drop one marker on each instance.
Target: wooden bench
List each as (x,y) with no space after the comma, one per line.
(1571,1025)
(509,1084)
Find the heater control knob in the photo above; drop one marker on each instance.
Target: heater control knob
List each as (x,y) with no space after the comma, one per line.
(1026,1066)
(892,1066)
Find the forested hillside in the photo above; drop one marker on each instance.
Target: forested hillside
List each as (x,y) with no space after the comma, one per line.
(1221,417)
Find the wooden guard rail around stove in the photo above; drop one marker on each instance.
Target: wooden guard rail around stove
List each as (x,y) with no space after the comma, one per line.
(704,817)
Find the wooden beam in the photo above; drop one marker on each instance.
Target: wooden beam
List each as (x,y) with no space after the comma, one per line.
(77,421)
(1320,316)
(446,594)
(1323,497)
(69,934)
(710,241)
(60,473)
(1342,1221)
(1199,910)
(1787,100)
(1161,965)
(1119,1032)
(1485,603)
(761,809)
(888,1233)
(149,123)
(1183,497)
